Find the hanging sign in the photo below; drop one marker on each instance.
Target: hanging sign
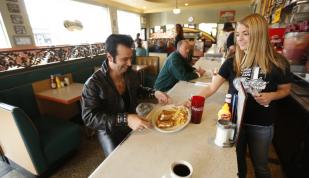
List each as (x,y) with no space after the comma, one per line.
(75,25)
(227,16)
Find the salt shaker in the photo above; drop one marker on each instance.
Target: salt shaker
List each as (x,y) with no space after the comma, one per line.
(66,81)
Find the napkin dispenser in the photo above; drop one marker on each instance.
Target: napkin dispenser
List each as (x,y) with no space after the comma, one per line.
(225,133)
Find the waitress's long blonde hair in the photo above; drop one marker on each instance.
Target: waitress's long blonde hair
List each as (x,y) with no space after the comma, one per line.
(260,52)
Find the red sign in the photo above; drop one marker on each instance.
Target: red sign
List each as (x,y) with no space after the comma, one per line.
(227,16)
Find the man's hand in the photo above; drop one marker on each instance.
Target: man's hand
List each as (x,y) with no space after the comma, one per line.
(200,71)
(162,97)
(136,122)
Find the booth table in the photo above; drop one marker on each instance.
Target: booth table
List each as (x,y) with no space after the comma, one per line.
(65,95)
(61,102)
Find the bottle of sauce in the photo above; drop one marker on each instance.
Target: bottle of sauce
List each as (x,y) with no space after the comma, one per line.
(53,84)
(228,100)
(225,112)
(58,82)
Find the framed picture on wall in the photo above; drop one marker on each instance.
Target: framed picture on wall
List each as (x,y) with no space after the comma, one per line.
(20,29)
(13,8)
(23,40)
(17,19)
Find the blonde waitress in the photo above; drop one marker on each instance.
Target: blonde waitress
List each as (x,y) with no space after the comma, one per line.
(257,64)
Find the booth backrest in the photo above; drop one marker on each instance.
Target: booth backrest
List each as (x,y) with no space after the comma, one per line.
(16,86)
(151,61)
(20,139)
(162,58)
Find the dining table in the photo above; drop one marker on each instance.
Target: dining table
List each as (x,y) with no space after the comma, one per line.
(62,102)
(65,95)
(150,153)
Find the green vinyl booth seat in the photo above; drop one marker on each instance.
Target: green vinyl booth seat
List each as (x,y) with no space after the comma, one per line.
(35,144)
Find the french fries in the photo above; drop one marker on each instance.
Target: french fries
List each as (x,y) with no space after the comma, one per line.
(175,116)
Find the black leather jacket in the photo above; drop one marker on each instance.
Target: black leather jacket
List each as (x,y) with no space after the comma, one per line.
(102,104)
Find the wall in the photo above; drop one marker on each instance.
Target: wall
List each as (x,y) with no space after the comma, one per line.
(6,15)
(206,15)
(113,19)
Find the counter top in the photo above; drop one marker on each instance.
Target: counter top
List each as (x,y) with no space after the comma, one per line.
(150,153)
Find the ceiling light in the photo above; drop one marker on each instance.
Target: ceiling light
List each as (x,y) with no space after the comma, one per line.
(176,10)
(186,4)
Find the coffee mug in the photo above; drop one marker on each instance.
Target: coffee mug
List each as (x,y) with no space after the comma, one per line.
(181,169)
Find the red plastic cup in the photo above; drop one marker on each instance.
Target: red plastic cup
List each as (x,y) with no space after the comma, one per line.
(197,106)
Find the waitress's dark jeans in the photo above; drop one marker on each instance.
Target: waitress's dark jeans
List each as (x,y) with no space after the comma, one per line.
(258,138)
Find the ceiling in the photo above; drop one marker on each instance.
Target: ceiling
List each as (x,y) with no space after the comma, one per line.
(153,6)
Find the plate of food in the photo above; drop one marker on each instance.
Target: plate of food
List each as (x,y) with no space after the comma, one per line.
(170,118)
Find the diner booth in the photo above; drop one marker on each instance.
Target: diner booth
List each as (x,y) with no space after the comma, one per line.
(48,50)
(36,133)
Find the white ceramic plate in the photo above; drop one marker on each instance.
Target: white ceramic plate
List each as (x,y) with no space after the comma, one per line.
(153,116)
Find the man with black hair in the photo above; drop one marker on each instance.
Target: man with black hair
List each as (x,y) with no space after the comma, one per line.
(109,97)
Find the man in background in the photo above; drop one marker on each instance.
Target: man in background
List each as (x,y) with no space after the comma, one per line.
(177,67)
(230,43)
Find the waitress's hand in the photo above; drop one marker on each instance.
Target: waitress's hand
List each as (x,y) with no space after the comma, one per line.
(187,103)
(263,98)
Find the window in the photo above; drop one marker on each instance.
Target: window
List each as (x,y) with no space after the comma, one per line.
(4,40)
(85,23)
(210,28)
(125,18)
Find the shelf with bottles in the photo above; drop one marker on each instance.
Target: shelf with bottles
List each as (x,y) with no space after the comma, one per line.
(287,12)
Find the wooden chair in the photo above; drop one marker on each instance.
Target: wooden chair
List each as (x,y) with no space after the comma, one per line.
(151,61)
(162,58)
(150,74)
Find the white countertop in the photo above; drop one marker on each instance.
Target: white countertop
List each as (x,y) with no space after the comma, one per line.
(149,154)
